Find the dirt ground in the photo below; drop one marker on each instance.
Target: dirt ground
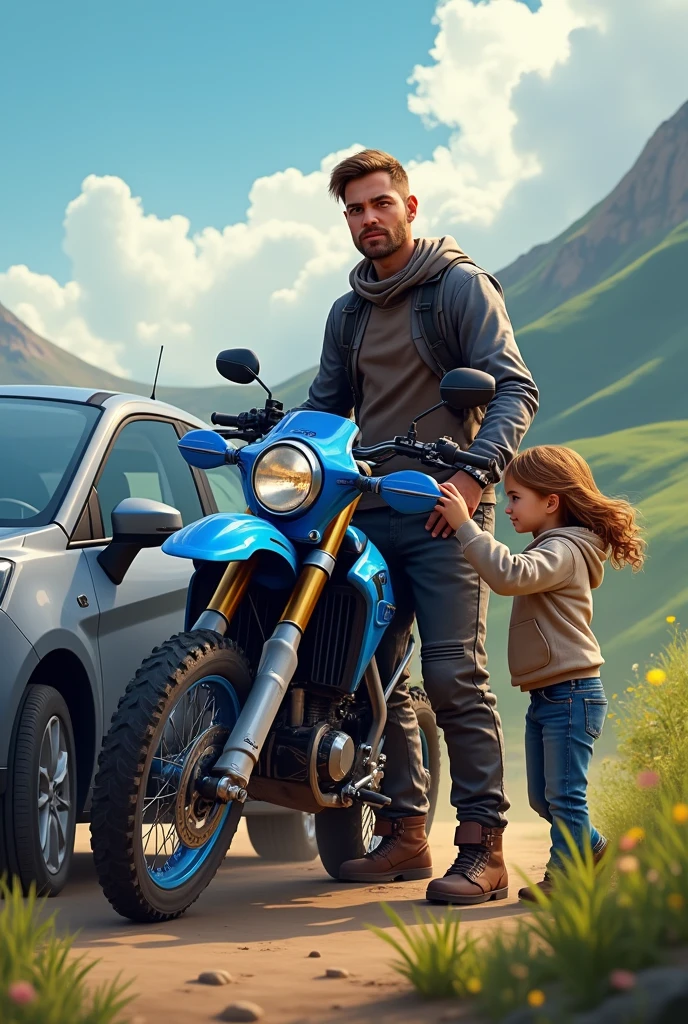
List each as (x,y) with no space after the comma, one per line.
(259,922)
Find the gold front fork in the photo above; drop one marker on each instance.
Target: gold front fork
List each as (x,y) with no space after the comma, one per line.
(231,589)
(314,576)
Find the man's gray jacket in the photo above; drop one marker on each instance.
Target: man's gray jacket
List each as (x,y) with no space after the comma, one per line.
(476,328)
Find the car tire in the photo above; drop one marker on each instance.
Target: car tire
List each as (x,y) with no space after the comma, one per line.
(283,837)
(38,810)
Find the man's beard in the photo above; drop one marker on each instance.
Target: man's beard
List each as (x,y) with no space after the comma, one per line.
(379,248)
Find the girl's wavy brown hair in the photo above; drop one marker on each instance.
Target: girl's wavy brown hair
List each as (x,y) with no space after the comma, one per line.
(551,469)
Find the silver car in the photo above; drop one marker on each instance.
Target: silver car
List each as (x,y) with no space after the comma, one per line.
(70,637)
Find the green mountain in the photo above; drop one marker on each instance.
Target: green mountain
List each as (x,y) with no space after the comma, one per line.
(26,358)
(650,200)
(615,356)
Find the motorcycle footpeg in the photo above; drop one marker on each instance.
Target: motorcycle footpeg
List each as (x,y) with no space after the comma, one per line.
(371,796)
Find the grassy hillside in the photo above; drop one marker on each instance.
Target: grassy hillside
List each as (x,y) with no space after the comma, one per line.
(615,356)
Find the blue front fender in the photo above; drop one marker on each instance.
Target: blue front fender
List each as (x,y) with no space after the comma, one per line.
(235,537)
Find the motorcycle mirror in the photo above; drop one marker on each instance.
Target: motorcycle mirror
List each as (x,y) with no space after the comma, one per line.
(204,449)
(465,388)
(240,365)
(410,492)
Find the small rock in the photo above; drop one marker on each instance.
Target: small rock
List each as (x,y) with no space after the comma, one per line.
(336,972)
(214,978)
(241,1012)
(315,954)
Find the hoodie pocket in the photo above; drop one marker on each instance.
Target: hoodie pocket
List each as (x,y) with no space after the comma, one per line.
(528,648)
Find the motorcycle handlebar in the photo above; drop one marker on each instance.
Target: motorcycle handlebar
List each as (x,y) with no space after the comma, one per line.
(444,450)
(222,420)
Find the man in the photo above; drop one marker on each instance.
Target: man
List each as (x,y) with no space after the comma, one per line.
(381,360)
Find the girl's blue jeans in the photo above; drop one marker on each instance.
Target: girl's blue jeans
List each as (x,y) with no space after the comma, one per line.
(562,723)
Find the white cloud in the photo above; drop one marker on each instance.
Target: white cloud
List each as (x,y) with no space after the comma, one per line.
(481,55)
(547,109)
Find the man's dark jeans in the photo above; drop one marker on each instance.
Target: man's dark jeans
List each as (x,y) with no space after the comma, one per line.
(433,581)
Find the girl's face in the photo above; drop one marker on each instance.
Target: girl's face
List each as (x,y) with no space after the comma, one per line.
(530,511)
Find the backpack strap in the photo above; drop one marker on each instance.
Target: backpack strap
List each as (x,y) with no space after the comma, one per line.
(428,308)
(353,310)
(348,324)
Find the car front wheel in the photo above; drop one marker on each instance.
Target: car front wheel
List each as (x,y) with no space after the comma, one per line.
(39,806)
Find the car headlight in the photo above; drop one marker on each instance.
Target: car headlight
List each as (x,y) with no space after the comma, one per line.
(6,568)
(287,478)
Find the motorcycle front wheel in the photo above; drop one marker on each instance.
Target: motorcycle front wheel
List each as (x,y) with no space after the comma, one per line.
(157,843)
(348,834)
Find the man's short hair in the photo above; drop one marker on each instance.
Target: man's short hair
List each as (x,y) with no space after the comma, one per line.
(367,162)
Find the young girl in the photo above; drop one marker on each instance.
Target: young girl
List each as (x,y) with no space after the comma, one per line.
(553,653)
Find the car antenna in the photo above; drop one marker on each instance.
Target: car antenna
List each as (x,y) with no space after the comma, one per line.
(155,382)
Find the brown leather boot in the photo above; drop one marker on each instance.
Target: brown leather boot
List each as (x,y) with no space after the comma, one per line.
(545,886)
(478,874)
(403,854)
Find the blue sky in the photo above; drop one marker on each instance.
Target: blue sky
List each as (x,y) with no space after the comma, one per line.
(134,133)
(189,103)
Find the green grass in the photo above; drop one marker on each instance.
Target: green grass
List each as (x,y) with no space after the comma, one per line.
(40,982)
(621,915)
(650,721)
(437,960)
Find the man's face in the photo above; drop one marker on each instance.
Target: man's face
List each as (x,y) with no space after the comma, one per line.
(379,218)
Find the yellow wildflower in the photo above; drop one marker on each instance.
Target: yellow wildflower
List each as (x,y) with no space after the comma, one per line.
(670,619)
(474,985)
(536,997)
(680,814)
(630,689)
(614,696)
(634,836)
(675,901)
(656,676)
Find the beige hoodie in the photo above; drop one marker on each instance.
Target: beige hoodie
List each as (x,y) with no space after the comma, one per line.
(550,639)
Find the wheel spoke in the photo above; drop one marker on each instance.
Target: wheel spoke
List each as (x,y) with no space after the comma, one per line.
(61,768)
(209,704)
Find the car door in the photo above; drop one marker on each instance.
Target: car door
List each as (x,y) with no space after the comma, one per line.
(148,607)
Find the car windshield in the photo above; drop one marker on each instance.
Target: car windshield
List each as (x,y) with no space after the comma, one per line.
(41,442)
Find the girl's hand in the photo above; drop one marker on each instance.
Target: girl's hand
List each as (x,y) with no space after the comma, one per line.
(452,505)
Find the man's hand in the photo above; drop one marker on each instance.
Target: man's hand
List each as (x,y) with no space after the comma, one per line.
(470,490)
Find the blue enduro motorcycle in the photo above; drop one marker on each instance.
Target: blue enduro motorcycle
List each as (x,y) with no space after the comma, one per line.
(273,691)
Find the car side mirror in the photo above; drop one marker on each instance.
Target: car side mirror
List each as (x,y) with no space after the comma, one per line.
(465,388)
(137,523)
(239,365)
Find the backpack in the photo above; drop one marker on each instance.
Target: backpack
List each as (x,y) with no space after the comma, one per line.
(428,308)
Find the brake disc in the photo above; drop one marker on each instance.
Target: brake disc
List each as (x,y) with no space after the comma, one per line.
(195,817)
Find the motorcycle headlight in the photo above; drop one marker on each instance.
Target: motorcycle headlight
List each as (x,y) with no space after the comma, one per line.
(287,478)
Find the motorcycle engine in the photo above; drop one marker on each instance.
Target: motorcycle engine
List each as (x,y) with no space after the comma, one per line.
(290,751)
